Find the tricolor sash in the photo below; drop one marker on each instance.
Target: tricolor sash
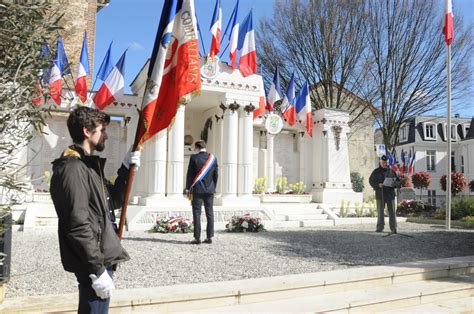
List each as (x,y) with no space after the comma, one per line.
(211,160)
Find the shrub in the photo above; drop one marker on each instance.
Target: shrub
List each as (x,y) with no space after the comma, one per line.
(260,185)
(282,184)
(410,208)
(421,180)
(372,208)
(468,219)
(359,209)
(357,182)
(462,207)
(298,188)
(404,181)
(458,183)
(471,186)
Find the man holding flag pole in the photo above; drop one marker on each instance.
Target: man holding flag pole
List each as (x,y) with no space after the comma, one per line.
(173,75)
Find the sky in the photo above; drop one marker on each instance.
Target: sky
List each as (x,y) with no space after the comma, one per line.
(132,24)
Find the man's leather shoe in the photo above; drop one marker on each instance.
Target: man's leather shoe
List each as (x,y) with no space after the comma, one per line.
(378,230)
(196,241)
(394,231)
(208,241)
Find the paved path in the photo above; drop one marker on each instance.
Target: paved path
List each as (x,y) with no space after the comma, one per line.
(168,259)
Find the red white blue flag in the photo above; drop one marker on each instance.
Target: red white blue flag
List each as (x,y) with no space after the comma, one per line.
(246,46)
(56,72)
(234,36)
(287,106)
(174,70)
(113,85)
(216,26)
(303,109)
(274,92)
(448,26)
(107,65)
(82,72)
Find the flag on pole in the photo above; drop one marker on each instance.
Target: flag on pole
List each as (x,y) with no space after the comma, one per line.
(401,168)
(55,77)
(274,92)
(394,161)
(216,26)
(107,65)
(412,162)
(262,101)
(287,106)
(303,109)
(246,46)
(448,26)
(113,85)
(234,36)
(174,67)
(82,72)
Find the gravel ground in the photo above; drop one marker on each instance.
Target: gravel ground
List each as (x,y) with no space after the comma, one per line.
(168,259)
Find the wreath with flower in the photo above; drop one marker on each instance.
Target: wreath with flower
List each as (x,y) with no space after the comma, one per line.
(173,224)
(245,223)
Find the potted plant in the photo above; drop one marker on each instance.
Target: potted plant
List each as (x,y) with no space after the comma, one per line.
(458,183)
(421,180)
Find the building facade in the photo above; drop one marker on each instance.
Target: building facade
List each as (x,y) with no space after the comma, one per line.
(427,136)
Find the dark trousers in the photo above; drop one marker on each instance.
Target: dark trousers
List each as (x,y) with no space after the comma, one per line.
(392,218)
(208,200)
(89,302)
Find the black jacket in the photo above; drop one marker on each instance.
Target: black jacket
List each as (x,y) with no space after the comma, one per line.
(84,202)
(209,182)
(378,176)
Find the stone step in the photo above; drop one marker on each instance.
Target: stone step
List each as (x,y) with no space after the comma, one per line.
(337,284)
(286,224)
(301,217)
(317,223)
(367,300)
(458,306)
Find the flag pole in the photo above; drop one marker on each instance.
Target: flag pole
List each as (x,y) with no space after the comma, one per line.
(448,176)
(123,214)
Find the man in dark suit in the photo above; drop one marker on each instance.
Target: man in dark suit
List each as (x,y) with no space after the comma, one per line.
(201,181)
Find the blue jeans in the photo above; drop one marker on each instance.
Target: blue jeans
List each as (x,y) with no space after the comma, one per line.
(89,302)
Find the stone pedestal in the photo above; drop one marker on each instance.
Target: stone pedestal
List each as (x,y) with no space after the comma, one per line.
(406,194)
(331,173)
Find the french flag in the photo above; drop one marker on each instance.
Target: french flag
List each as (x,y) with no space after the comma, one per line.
(174,71)
(216,26)
(274,92)
(55,77)
(82,72)
(448,27)
(303,109)
(234,36)
(248,54)
(262,101)
(287,107)
(412,162)
(113,85)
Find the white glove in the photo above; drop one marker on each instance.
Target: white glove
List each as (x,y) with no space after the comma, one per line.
(102,285)
(132,158)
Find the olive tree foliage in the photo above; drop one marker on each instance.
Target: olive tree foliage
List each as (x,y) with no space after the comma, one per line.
(323,41)
(407,57)
(23,29)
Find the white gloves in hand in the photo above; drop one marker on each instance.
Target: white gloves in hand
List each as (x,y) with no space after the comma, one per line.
(132,158)
(102,285)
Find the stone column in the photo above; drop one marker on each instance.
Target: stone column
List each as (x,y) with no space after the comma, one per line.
(229,152)
(246,152)
(156,169)
(175,162)
(270,163)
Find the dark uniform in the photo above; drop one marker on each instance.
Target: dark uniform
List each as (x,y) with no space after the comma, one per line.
(385,195)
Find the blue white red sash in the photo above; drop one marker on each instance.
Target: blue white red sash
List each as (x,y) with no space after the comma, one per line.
(211,160)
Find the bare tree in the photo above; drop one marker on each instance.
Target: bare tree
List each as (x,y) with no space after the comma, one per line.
(24,28)
(324,42)
(408,61)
